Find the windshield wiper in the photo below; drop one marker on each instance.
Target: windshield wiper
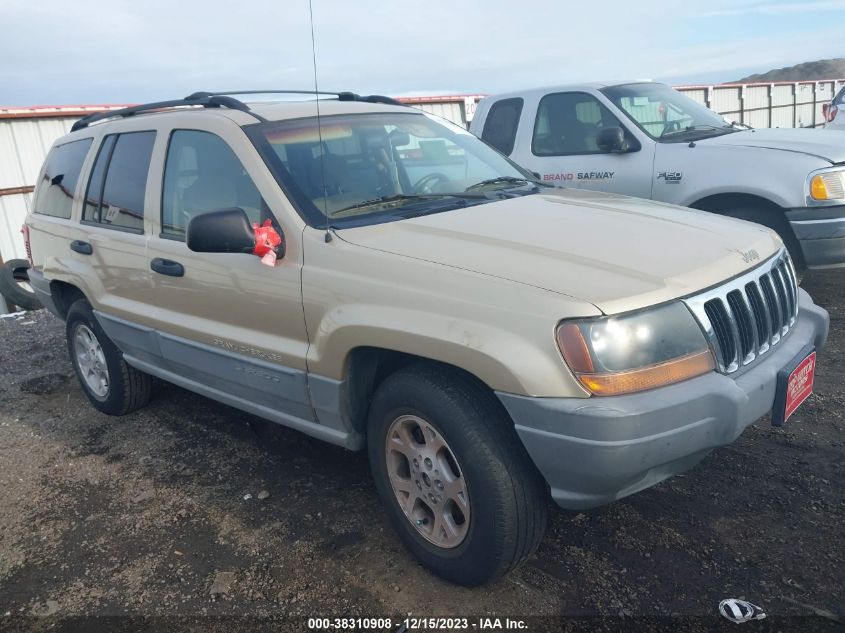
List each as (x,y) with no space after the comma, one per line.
(403,196)
(737,124)
(704,127)
(499,180)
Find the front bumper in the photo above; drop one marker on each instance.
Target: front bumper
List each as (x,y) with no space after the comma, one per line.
(595,450)
(821,233)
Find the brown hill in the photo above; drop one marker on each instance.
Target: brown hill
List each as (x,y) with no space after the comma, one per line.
(821,69)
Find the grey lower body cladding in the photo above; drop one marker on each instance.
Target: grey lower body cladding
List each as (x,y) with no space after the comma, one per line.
(821,234)
(305,402)
(592,451)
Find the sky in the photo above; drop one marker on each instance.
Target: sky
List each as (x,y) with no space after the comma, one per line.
(95,52)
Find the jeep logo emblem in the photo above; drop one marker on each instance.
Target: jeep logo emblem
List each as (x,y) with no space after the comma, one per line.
(750,256)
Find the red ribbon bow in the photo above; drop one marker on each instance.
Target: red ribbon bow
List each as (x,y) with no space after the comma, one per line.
(267,239)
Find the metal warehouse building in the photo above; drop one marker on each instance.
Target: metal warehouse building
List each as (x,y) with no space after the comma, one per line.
(26,134)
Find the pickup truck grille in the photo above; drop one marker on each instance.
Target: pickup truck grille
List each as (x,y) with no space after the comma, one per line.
(744,318)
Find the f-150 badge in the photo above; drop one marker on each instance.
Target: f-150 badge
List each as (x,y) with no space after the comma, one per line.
(670,177)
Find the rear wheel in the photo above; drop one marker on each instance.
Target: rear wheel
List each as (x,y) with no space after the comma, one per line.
(111,385)
(456,482)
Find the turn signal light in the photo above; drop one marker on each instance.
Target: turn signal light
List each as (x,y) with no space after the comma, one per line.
(651,377)
(818,188)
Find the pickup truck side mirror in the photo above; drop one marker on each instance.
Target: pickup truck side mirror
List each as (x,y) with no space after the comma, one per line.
(612,139)
(223,231)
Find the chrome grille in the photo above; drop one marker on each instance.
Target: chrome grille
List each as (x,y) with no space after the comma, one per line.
(744,318)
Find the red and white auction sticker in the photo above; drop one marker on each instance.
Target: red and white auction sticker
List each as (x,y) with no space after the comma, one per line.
(799,386)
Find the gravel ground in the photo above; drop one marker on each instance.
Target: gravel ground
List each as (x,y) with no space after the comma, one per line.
(189,512)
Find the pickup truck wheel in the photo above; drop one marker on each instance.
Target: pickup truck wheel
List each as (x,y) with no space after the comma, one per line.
(14,284)
(111,385)
(457,484)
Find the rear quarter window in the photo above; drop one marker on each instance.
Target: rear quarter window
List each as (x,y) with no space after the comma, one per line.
(501,124)
(55,191)
(115,196)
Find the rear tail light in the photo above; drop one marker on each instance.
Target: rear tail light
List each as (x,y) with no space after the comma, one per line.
(830,111)
(25,232)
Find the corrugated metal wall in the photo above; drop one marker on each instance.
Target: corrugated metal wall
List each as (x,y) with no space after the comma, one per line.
(23,145)
(793,104)
(451,110)
(12,213)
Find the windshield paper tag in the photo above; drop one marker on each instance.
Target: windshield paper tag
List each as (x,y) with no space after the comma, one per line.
(269,259)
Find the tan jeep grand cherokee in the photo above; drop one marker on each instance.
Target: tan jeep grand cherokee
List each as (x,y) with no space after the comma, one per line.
(488,340)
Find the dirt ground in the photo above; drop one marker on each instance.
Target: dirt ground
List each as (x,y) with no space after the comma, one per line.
(188,512)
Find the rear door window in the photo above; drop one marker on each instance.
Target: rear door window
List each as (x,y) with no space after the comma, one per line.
(203,174)
(501,124)
(115,196)
(61,175)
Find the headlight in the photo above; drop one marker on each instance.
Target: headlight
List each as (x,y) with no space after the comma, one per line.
(637,351)
(826,186)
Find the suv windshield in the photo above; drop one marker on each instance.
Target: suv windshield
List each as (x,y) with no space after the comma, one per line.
(665,114)
(368,168)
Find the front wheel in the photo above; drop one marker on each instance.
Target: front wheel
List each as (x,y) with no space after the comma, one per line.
(456,481)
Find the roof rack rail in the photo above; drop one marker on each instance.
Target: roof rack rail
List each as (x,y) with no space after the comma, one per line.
(342,96)
(224,100)
(206,100)
(199,95)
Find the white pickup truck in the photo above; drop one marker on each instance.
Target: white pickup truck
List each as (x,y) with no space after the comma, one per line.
(647,140)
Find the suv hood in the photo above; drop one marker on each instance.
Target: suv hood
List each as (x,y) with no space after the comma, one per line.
(616,252)
(826,144)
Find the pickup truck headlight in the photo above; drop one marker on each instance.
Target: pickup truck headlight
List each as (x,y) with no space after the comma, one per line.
(637,351)
(826,186)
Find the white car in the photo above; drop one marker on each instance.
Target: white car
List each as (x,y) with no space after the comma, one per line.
(832,109)
(647,140)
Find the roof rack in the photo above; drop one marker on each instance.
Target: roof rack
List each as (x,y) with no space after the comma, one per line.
(341,96)
(206,100)
(221,100)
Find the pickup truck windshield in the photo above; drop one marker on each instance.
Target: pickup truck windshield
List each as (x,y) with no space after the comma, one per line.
(666,115)
(377,167)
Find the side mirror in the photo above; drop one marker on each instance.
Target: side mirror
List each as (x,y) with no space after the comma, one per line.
(223,231)
(612,139)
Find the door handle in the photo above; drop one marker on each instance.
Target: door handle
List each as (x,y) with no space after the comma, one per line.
(81,247)
(167,267)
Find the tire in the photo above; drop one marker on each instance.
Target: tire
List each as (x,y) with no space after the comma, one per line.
(504,495)
(775,220)
(126,389)
(12,274)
